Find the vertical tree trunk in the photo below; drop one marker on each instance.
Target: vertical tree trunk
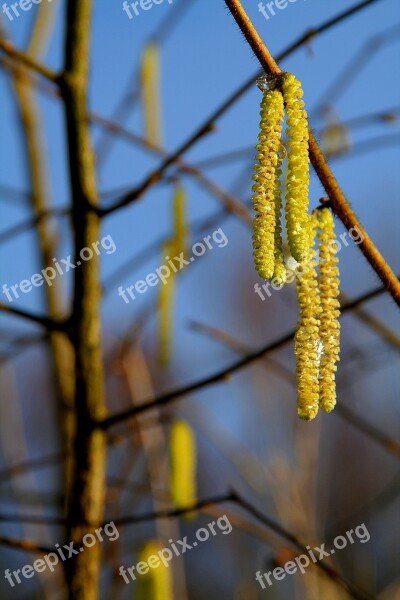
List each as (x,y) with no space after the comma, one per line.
(85,509)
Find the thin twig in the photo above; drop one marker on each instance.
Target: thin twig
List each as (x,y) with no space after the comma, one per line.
(24,59)
(46,322)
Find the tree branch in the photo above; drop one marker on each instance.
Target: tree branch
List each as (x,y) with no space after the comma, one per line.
(265,520)
(339,203)
(27,61)
(46,322)
(209,124)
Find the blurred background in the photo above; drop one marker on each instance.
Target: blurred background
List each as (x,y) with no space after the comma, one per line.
(316,479)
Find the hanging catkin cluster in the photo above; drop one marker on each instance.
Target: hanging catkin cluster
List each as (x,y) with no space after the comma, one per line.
(317,333)
(267,197)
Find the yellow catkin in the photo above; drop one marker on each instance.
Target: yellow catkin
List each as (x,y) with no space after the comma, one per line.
(165,309)
(307,340)
(330,309)
(265,177)
(183,465)
(157,583)
(279,261)
(298,177)
(150,91)
(180,220)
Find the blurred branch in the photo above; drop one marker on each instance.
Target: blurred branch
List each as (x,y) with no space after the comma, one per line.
(38,463)
(230,202)
(339,203)
(344,412)
(24,59)
(237,499)
(50,324)
(27,224)
(25,545)
(221,376)
(354,66)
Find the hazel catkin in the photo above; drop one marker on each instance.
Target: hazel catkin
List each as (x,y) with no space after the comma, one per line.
(265,178)
(307,338)
(329,293)
(298,176)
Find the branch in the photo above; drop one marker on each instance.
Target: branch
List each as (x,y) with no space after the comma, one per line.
(25,545)
(27,61)
(209,124)
(259,516)
(359,423)
(46,322)
(174,395)
(340,205)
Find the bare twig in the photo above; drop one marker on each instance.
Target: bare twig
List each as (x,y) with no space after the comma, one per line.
(27,61)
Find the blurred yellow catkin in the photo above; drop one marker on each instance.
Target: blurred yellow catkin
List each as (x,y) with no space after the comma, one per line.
(183,465)
(329,293)
(150,92)
(172,248)
(157,583)
(165,308)
(180,218)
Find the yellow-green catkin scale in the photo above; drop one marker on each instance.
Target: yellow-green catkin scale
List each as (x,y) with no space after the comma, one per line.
(264,187)
(157,583)
(165,310)
(183,466)
(150,92)
(307,340)
(330,309)
(279,274)
(298,176)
